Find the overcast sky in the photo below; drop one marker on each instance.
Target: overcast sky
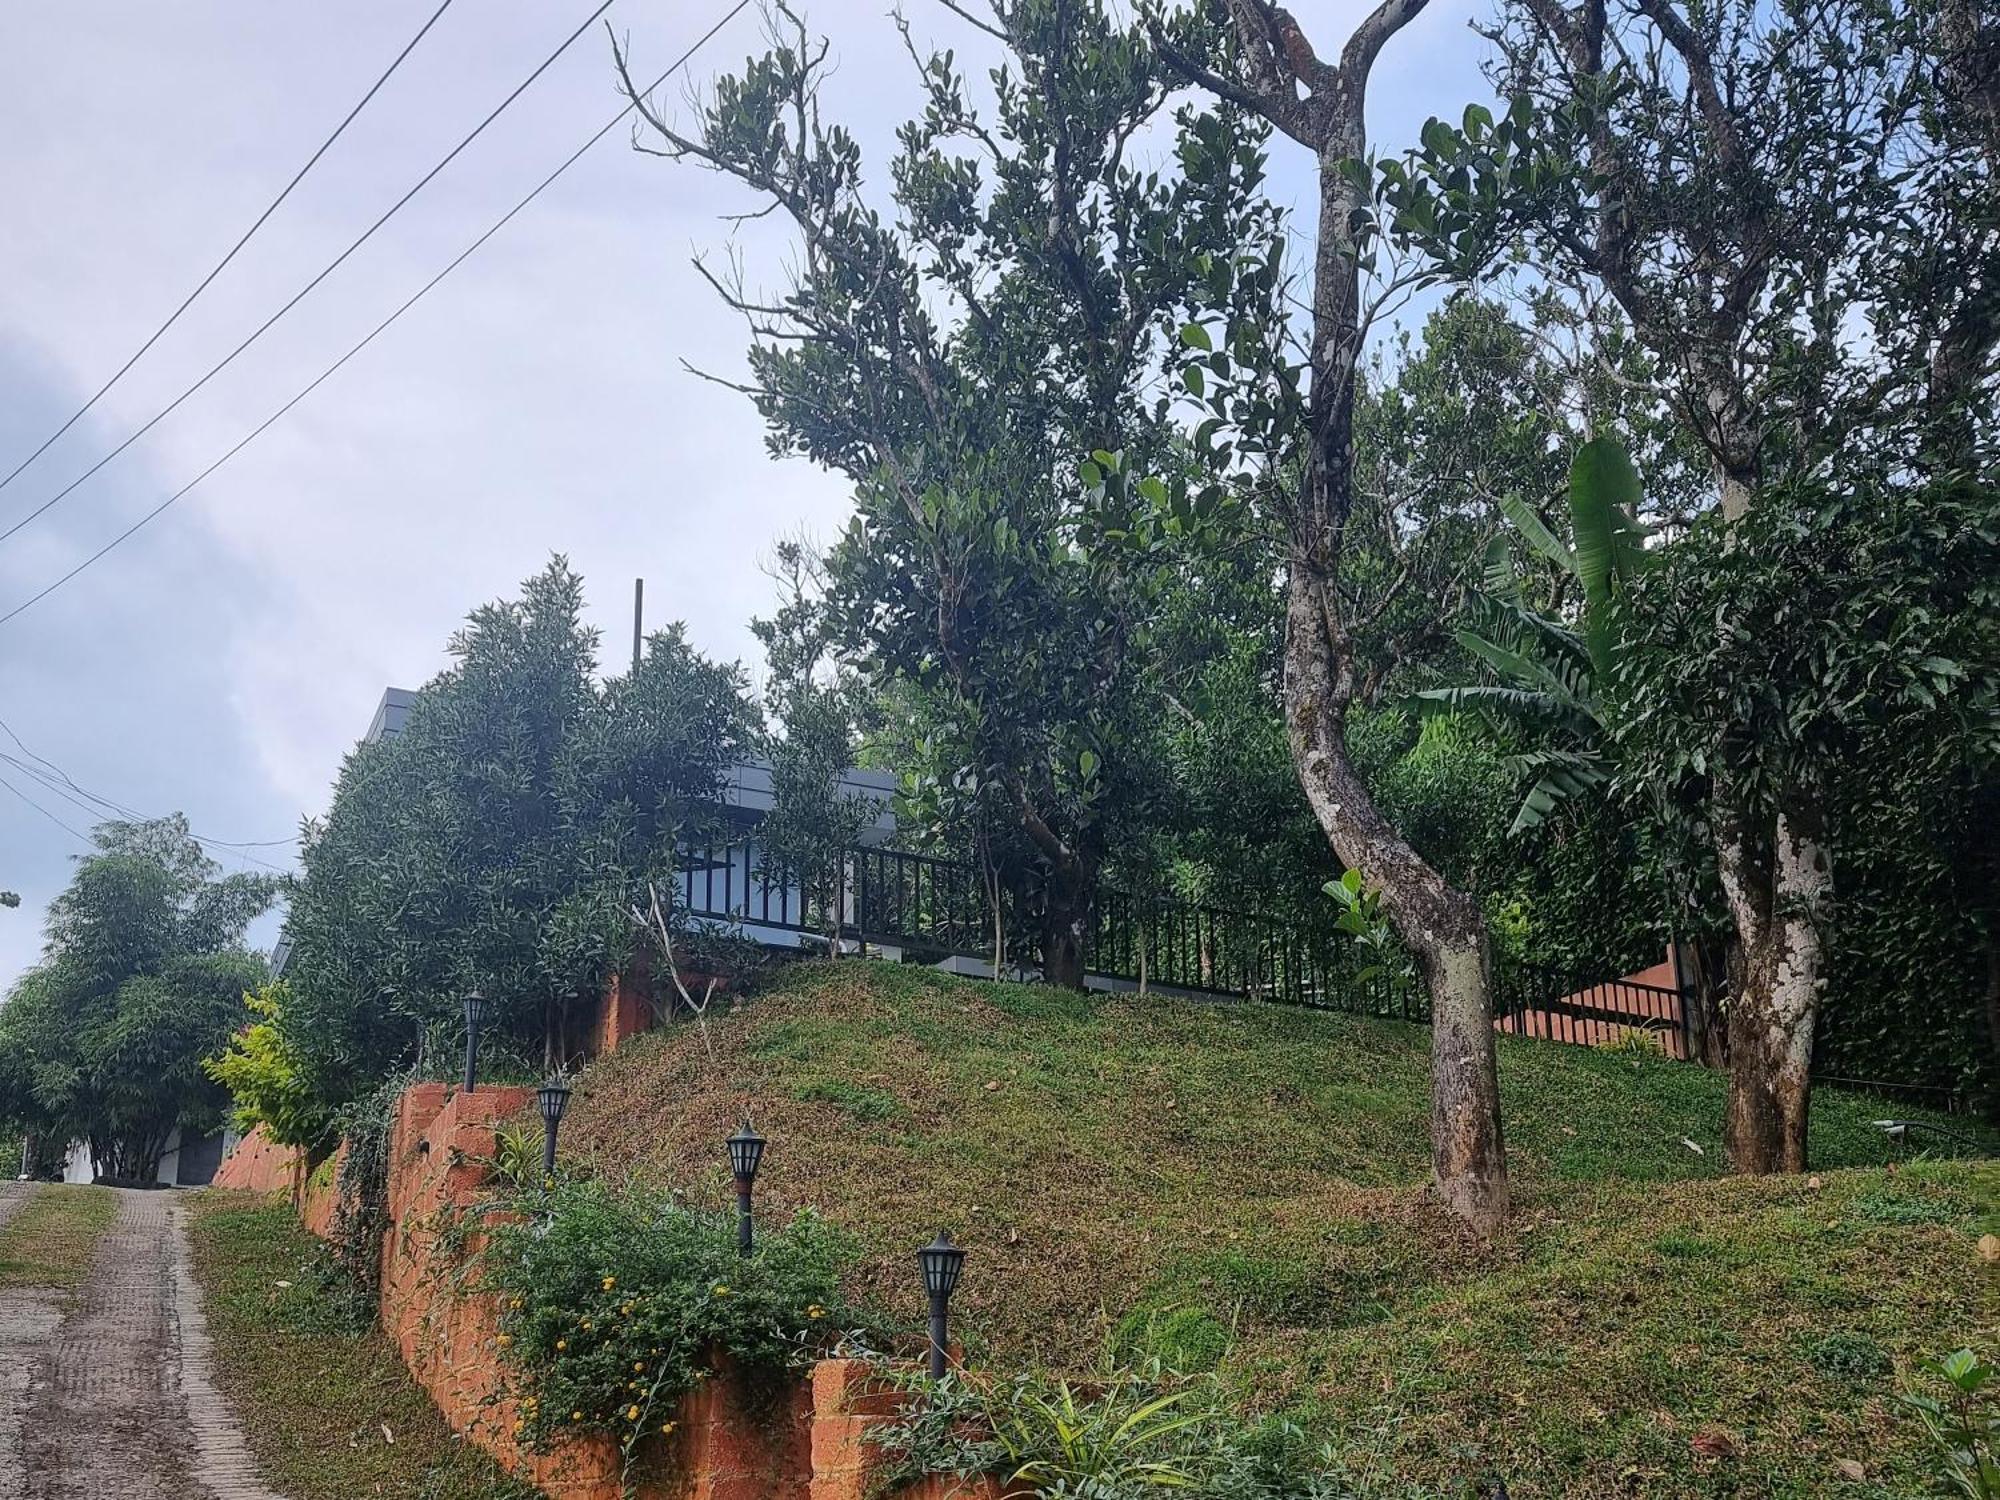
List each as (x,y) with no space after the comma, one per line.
(223,660)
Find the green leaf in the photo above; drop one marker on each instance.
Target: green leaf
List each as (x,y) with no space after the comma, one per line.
(1535,532)
(1603,490)
(1196,337)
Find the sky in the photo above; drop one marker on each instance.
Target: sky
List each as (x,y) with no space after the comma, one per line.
(223,660)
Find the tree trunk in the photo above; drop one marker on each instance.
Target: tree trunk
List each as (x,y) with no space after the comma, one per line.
(1778,905)
(1063,949)
(1065,921)
(1442,926)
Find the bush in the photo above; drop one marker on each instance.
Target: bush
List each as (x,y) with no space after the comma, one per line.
(1131,1435)
(615,1304)
(261,1071)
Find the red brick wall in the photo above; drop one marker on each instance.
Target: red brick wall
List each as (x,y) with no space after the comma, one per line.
(257,1165)
(625,1012)
(809,1449)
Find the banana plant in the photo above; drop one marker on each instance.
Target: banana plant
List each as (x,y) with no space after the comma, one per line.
(1551,675)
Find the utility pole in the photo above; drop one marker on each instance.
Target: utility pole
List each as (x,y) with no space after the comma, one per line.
(638,618)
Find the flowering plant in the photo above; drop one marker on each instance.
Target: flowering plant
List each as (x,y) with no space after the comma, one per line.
(615,1304)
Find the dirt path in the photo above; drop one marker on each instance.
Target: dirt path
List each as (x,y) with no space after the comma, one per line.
(106,1392)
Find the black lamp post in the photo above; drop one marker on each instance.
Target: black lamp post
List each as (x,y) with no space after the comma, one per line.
(553,1099)
(475,1012)
(746,1150)
(942,1262)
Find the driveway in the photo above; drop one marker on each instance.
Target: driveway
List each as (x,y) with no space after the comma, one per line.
(106,1391)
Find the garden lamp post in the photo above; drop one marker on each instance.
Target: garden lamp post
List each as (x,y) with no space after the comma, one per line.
(475,1012)
(942,1261)
(552,1098)
(1899,1130)
(746,1151)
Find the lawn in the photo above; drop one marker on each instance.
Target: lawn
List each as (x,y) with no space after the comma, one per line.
(1240,1186)
(328,1407)
(53,1237)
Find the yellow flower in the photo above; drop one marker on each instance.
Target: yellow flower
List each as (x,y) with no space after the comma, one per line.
(666,1429)
(506,1340)
(561,1344)
(631,1413)
(576,1416)
(586,1325)
(639,1367)
(814,1310)
(720,1290)
(515,1304)
(610,1282)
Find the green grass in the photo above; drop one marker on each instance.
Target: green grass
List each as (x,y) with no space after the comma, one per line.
(53,1237)
(1240,1186)
(319,1390)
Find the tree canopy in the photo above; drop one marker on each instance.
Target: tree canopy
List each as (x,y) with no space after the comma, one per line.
(142,978)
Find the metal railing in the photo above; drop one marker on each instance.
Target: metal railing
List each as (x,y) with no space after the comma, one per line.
(936,908)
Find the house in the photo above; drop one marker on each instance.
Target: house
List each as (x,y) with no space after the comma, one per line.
(183,1164)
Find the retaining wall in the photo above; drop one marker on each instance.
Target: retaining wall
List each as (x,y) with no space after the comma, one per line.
(256,1165)
(809,1445)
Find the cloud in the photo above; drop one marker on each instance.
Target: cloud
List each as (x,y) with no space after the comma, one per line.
(225,659)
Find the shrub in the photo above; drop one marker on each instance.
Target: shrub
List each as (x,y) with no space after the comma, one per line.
(1964,1427)
(615,1304)
(260,1069)
(1131,1435)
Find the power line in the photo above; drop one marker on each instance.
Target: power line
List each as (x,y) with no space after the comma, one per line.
(52,776)
(174,317)
(101,809)
(46,813)
(331,266)
(381,327)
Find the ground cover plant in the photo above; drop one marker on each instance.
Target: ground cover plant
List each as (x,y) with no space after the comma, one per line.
(53,1237)
(1235,1189)
(328,1408)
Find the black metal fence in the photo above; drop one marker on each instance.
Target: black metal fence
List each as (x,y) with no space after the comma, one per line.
(935,908)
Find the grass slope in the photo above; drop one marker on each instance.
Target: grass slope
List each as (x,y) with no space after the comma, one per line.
(1240,1184)
(323,1397)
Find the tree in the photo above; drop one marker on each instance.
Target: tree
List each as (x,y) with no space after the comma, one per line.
(970,362)
(502,840)
(1739,190)
(9,899)
(813,822)
(142,978)
(1289,429)
(262,1071)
